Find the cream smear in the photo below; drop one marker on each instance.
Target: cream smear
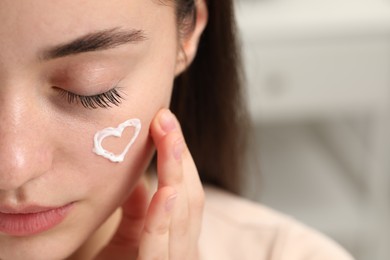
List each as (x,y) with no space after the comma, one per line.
(116,132)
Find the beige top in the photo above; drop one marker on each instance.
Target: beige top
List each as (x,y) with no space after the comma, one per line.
(237,229)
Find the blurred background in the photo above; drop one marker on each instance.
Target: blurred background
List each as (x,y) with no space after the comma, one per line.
(318,74)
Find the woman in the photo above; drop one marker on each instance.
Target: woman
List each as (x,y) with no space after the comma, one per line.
(76,74)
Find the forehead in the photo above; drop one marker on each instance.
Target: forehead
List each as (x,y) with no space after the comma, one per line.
(29,25)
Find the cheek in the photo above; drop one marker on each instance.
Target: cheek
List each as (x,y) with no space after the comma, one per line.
(147,91)
(148,88)
(97,182)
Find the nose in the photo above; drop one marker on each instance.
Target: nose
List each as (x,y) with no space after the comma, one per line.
(24,152)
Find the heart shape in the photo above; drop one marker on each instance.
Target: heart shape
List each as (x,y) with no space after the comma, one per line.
(116,132)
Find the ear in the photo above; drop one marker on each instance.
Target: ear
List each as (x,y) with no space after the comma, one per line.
(189,43)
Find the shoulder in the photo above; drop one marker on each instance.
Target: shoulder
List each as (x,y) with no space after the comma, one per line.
(235,228)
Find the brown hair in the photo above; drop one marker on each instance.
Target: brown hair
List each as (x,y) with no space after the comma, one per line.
(207,98)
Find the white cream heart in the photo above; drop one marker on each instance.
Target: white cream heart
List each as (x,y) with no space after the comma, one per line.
(116,132)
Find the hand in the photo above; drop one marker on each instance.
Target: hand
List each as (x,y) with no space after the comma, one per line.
(169,227)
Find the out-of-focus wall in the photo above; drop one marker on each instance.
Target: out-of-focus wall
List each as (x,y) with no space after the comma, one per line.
(319,90)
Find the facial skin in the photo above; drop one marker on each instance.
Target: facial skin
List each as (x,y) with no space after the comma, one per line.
(46,142)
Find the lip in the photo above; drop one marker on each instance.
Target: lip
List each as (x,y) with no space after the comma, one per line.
(30,219)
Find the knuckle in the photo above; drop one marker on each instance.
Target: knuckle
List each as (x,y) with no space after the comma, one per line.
(177,177)
(124,240)
(158,230)
(181,226)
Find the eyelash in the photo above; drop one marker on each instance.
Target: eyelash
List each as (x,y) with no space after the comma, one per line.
(103,100)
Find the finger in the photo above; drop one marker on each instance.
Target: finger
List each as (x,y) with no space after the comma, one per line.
(195,197)
(195,203)
(166,134)
(155,236)
(124,243)
(164,124)
(170,144)
(187,217)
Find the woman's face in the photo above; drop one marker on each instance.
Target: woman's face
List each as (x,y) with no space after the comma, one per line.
(51,53)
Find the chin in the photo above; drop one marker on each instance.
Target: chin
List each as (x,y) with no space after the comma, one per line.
(50,245)
(23,251)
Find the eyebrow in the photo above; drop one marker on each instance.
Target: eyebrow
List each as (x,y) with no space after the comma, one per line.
(95,41)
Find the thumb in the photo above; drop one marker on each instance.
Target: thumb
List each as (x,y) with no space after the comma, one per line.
(125,242)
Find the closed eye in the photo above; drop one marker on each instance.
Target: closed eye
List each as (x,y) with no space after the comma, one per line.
(103,100)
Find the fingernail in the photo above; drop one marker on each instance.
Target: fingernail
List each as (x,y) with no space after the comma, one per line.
(167,121)
(170,202)
(178,149)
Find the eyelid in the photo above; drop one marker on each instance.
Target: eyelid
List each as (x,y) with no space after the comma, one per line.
(103,100)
